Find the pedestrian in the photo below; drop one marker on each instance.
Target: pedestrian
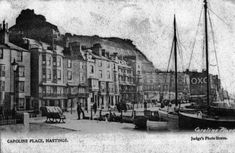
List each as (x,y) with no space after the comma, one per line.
(95,107)
(81,110)
(78,110)
(145,105)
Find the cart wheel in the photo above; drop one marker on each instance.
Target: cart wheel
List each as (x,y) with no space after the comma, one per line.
(51,120)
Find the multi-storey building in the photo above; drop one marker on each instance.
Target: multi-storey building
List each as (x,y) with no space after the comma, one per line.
(136,64)
(116,63)
(76,74)
(100,73)
(151,86)
(48,86)
(127,88)
(14,73)
(160,85)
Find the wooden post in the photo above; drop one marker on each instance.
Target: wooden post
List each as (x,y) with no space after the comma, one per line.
(91,114)
(121,116)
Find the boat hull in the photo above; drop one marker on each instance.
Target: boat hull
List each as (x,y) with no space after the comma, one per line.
(140,122)
(192,121)
(223,111)
(172,119)
(156,126)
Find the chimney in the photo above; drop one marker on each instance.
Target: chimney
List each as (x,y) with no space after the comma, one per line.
(103,53)
(67,42)
(4,34)
(107,55)
(115,54)
(97,49)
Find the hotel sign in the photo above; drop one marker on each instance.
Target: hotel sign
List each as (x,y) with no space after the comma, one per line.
(198,83)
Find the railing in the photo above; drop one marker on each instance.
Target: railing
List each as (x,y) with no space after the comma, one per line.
(127,91)
(10,117)
(52,95)
(83,94)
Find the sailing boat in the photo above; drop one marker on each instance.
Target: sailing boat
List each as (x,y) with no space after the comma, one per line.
(171,116)
(164,114)
(206,119)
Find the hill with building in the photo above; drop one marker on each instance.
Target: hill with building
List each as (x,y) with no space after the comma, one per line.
(30,25)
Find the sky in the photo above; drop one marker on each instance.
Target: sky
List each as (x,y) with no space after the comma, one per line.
(149,23)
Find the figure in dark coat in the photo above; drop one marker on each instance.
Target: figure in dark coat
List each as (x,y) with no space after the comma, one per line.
(145,105)
(79,110)
(95,107)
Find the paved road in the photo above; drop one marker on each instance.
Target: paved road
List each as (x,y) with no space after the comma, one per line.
(88,126)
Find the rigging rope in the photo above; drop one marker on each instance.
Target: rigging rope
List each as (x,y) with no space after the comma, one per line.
(166,74)
(216,57)
(193,45)
(217,16)
(180,49)
(213,40)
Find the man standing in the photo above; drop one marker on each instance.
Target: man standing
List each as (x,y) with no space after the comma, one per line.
(78,110)
(95,107)
(145,105)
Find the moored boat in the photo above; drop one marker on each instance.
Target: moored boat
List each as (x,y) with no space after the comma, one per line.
(195,120)
(214,116)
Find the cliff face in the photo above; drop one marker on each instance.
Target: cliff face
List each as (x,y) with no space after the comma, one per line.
(123,47)
(28,24)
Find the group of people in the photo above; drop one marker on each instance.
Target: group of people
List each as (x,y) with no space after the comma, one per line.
(80,110)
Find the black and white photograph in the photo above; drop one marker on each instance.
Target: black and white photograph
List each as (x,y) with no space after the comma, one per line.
(143,76)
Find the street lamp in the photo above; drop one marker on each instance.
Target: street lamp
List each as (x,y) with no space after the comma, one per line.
(15,69)
(68,94)
(137,91)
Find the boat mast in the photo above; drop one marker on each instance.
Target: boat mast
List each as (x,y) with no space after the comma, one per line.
(175,54)
(207,54)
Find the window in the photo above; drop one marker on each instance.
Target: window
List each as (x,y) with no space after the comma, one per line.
(59,74)
(58,90)
(49,61)
(59,61)
(2,85)
(21,103)
(19,56)
(21,86)
(1,53)
(44,74)
(2,70)
(48,73)
(108,65)
(54,61)
(43,58)
(83,79)
(108,75)
(48,89)
(100,63)
(21,71)
(100,73)
(69,63)
(91,69)
(69,75)
(54,75)
(44,89)
(82,66)
(55,89)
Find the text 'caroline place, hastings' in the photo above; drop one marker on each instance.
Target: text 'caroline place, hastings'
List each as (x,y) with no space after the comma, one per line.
(27,140)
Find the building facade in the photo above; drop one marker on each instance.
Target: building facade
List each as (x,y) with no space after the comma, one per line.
(14,74)
(76,75)
(100,74)
(48,87)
